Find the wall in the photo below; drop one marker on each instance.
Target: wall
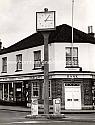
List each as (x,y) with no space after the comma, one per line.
(86,55)
(57,59)
(27,60)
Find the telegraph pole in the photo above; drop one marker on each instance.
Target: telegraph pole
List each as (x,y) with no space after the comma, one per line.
(72,31)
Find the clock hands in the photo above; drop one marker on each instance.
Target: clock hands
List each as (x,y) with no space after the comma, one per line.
(47,18)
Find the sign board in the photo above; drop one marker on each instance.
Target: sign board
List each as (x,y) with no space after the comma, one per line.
(57,106)
(34,107)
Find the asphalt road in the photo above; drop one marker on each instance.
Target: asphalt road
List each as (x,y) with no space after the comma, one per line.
(18,118)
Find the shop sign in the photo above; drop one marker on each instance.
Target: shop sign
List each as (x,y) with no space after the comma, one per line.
(73,69)
(72,76)
(57,106)
(34,107)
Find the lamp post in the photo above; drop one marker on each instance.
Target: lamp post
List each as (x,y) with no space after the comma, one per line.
(45,22)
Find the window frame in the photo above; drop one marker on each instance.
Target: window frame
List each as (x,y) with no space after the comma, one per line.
(37,60)
(4,65)
(38,89)
(18,62)
(75,58)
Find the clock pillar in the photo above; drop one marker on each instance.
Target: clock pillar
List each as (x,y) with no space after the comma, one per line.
(46,73)
(45,22)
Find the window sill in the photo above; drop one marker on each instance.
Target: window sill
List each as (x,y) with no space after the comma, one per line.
(72,67)
(19,70)
(37,68)
(35,97)
(3,72)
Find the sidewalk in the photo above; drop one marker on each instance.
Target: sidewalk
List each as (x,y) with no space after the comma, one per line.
(15,108)
(70,115)
(26,109)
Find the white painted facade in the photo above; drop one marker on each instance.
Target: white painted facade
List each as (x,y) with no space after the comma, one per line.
(57,58)
(86,56)
(27,60)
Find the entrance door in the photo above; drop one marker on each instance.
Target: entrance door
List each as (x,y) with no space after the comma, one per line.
(72,97)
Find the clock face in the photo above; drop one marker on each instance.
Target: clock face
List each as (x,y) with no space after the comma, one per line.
(45,20)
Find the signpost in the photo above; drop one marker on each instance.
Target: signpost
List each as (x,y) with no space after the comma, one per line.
(45,22)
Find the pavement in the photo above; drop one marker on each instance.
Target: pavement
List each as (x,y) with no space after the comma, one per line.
(27,109)
(70,115)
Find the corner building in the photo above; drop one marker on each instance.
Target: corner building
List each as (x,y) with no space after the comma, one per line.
(22,72)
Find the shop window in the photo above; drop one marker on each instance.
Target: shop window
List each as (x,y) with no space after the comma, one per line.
(4,64)
(1,91)
(19,62)
(71,61)
(6,92)
(18,91)
(37,59)
(35,89)
(11,91)
(50,95)
(93,93)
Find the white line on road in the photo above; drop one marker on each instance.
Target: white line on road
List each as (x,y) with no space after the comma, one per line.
(29,122)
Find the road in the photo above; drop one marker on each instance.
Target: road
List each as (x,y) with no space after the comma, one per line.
(18,118)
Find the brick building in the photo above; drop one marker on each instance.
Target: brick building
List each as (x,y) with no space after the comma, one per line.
(22,76)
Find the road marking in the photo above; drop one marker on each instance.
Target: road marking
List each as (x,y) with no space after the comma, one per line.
(29,122)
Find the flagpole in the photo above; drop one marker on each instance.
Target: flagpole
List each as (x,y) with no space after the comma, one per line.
(72,31)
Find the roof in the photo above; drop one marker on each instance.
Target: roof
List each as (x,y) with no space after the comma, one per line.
(62,34)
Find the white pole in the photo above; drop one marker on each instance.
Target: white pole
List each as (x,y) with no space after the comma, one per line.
(72,31)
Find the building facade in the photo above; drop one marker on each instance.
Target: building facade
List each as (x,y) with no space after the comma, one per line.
(22,72)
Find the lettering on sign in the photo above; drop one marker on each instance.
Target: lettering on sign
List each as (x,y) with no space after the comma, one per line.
(72,76)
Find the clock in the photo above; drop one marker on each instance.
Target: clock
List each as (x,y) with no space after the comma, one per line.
(45,21)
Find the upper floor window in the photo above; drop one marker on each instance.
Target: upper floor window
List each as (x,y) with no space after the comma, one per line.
(71,58)
(19,62)
(35,89)
(37,59)
(4,64)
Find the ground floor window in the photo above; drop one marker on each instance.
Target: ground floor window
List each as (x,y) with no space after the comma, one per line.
(93,93)
(14,92)
(1,91)
(35,89)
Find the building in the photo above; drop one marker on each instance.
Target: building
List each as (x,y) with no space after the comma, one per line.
(22,76)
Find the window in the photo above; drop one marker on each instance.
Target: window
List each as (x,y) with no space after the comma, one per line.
(69,60)
(50,96)
(4,64)
(35,89)
(37,59)
(19,62)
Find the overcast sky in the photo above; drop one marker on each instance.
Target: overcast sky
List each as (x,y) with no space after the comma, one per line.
(18,17)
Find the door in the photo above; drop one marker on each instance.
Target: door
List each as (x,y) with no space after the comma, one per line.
(72,97)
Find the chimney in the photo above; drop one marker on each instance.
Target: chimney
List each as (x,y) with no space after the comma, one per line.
(90,31)
(0,44)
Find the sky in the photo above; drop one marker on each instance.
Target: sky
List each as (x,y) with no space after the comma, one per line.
(18,17)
